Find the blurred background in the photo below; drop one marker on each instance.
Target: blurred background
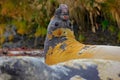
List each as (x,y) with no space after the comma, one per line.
(23,23)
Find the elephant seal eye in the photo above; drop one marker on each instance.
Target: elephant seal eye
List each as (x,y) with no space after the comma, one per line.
(69,24)
(56,24)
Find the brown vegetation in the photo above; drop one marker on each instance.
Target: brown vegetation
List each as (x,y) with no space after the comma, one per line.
(31,17)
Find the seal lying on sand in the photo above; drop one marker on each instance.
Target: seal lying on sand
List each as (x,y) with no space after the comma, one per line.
(30,68)
(60,44)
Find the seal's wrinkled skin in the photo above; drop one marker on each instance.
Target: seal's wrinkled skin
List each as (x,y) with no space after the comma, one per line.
(60,43)
(29,68)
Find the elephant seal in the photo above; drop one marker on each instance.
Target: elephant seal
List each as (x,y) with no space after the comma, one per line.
(31,68)
(60,43)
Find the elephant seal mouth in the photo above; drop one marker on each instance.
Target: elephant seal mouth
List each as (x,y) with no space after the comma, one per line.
(64,17)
